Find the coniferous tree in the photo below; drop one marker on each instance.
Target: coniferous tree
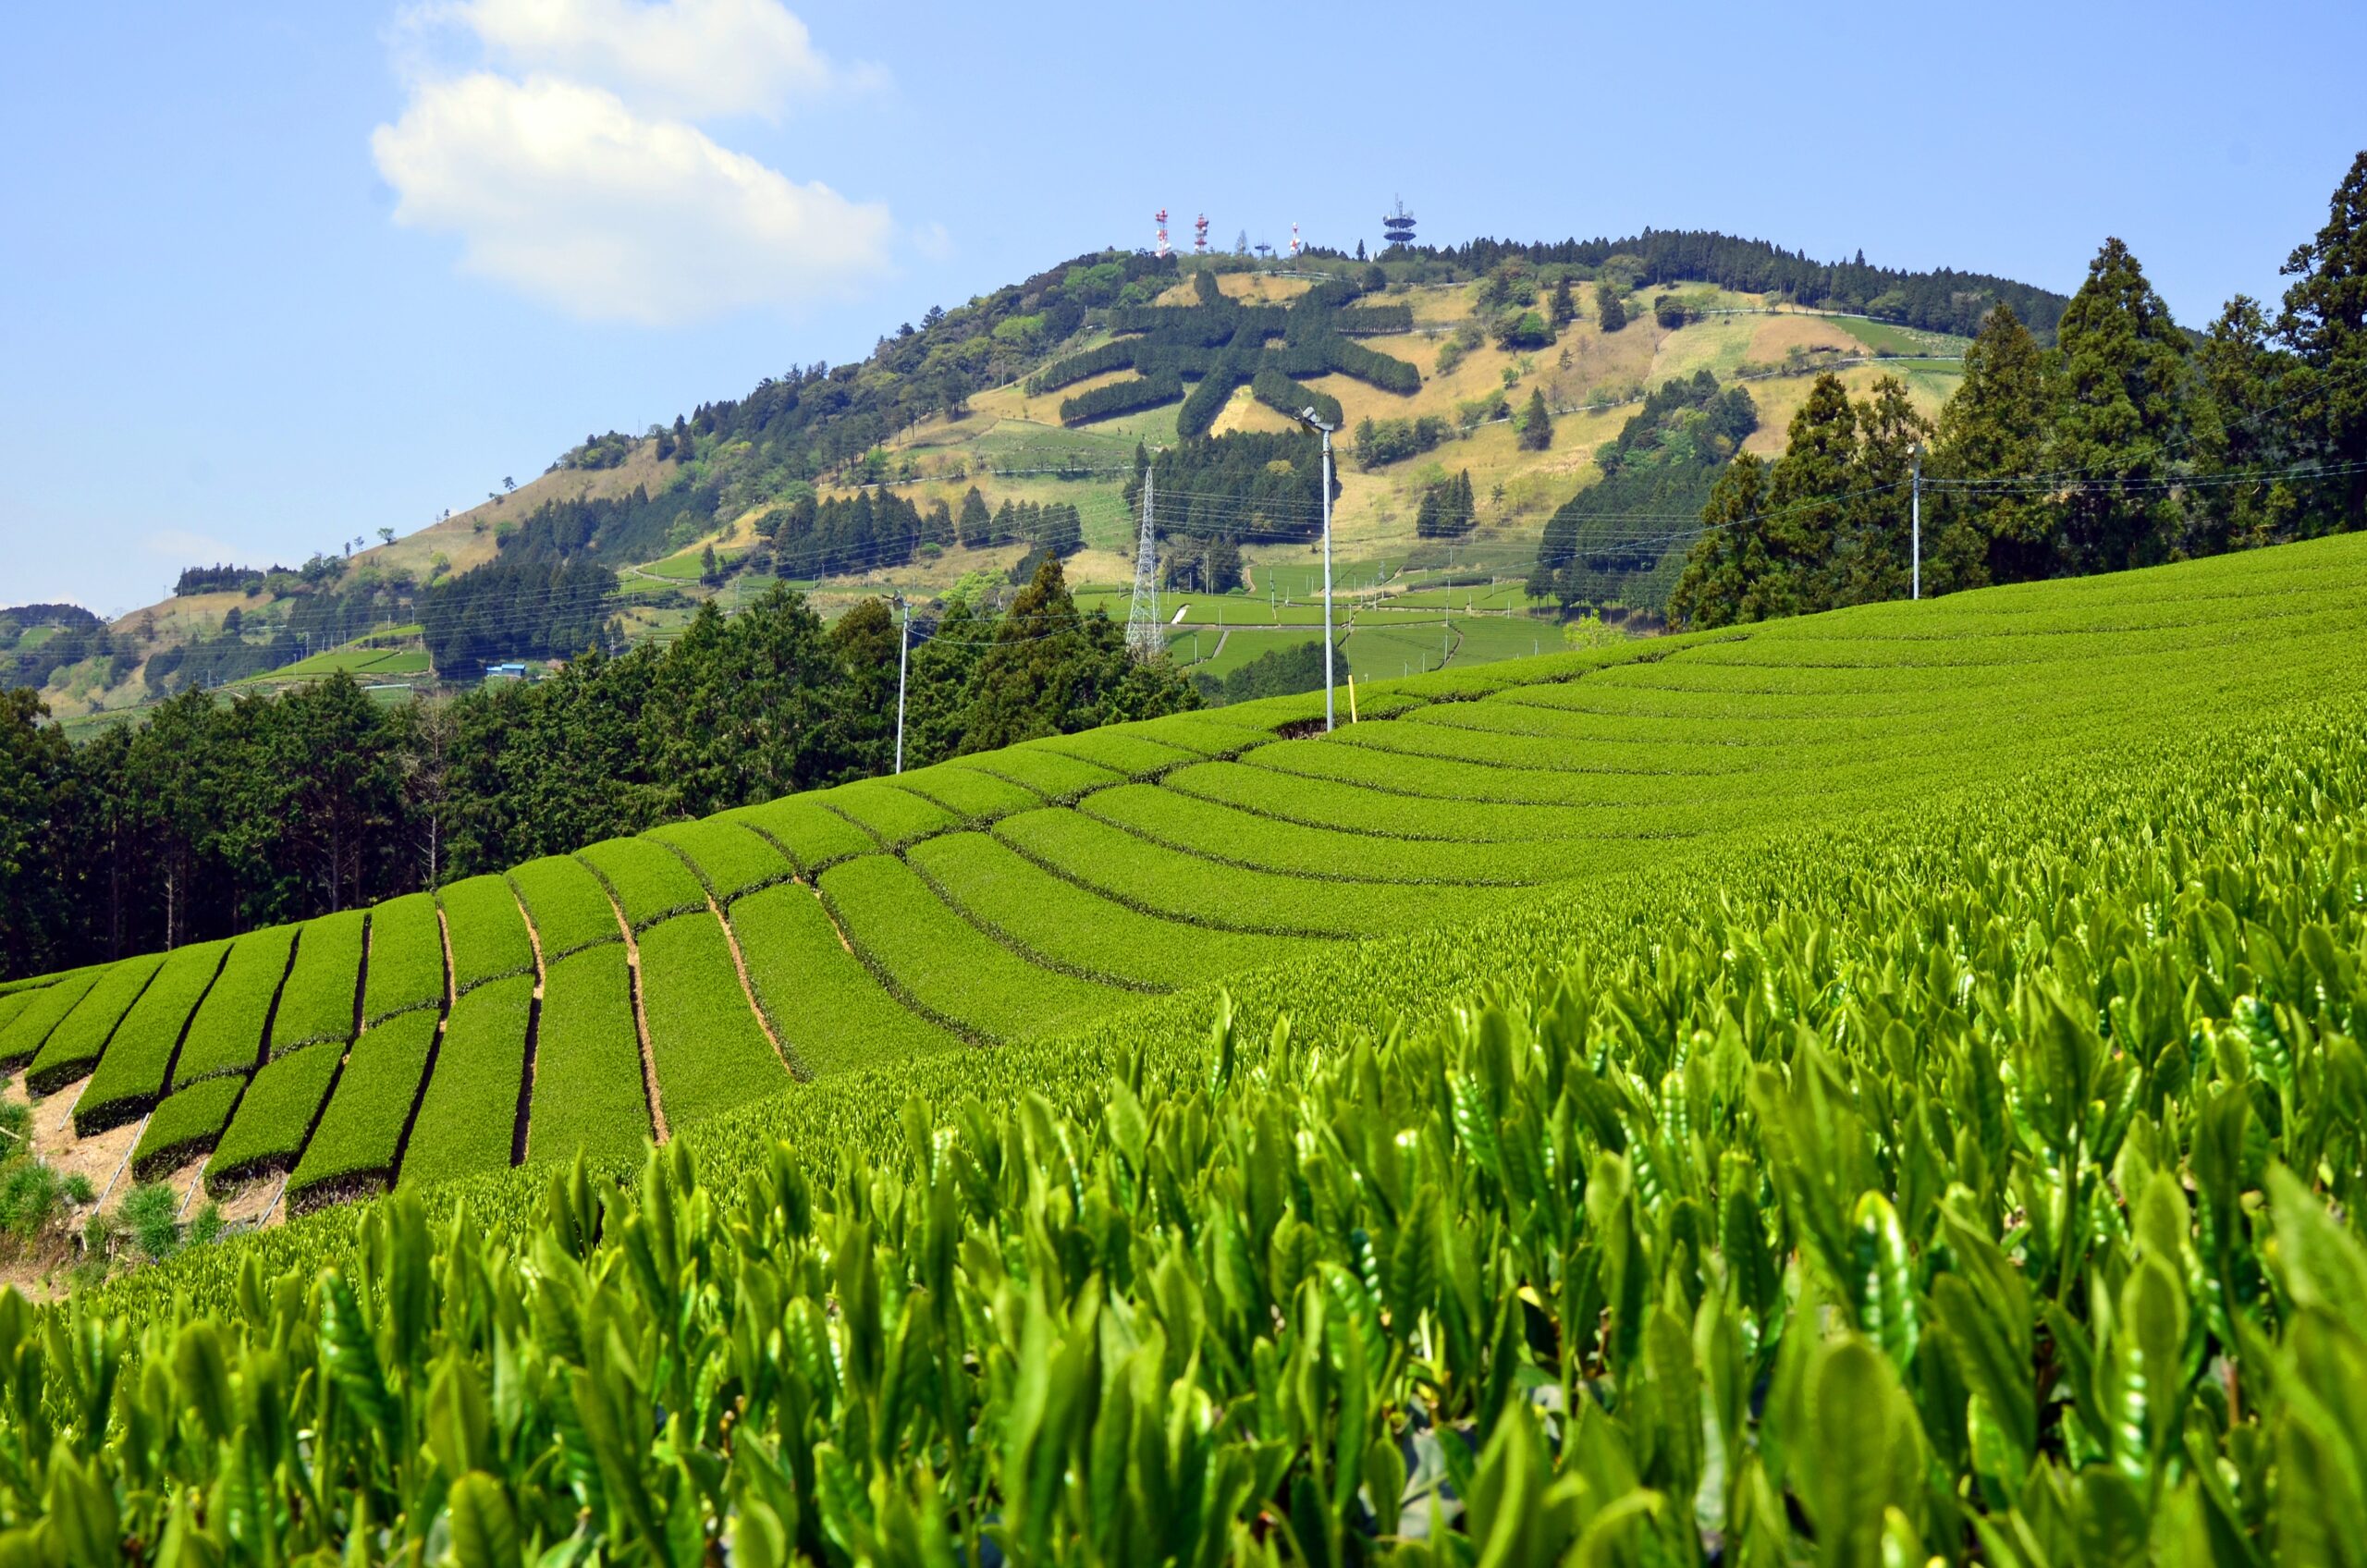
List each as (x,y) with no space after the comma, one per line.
(1025,678)
(1537,424)
(863,655)
(1611,310)
(1872,561)
(944,664)
(1723,576)
(2121,408)
(1992,427)
(2325,324)
(2244,383)
(1562,309)
(1555,550)
(1223,569)
(976,525)
(1809,506)
(1426,516)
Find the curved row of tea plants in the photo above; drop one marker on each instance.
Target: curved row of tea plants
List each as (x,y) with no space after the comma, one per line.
(1023,892)
(1967,1184)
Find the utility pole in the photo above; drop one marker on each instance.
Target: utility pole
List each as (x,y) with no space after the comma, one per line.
(1306,417)
(903,644)
(1915,583)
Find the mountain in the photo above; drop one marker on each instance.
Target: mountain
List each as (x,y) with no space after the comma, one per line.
(960,403)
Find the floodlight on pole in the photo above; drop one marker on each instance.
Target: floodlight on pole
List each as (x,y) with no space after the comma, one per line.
(1306,417)
(903,644)
(1915,582)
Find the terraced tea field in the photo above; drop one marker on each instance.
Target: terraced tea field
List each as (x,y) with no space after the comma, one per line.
(645,984)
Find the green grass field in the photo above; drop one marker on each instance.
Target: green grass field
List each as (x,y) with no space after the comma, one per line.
(1881,1078)
(364,664)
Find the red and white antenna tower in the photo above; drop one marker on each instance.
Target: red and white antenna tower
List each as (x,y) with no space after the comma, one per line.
(1160,217)
(1296,245)
(1200,235)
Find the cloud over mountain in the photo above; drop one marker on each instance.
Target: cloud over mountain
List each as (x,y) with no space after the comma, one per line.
(568,163)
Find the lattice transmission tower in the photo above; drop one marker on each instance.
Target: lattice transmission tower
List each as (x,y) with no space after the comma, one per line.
(1142,616)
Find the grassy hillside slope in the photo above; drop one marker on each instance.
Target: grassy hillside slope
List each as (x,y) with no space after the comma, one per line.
(1065,883)
(1011,445)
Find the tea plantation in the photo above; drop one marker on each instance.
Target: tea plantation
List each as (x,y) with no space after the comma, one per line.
(1863,1089)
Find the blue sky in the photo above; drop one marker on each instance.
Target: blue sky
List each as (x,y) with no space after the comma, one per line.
(279,275)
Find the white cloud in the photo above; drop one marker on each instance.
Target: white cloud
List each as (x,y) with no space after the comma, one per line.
(563,193)
(583,183)
(691,58)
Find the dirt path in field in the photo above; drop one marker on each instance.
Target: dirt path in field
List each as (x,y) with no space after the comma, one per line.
(764,1021)
(641,1025)
(518,1140)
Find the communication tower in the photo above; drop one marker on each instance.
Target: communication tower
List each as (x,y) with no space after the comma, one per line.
(1142,616)
(1296,245)
(1398,223)
(1200,235)
(1160,218)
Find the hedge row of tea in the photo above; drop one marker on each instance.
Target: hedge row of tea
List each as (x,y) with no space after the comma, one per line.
(1028,891)
(1962,1185)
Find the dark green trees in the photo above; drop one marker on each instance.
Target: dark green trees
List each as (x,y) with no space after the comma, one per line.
(1536,423)
(1561,309)
(1611,310)
(976,525)
(1448,509)
(1051,672)
(1826,526)
(1992,429)
(2120,414)
(2324,326)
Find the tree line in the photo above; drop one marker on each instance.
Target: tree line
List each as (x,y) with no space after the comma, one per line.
(2127,444)
(215,816)
(1941,300)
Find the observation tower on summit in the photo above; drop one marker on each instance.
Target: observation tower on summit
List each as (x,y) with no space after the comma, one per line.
(1398,223)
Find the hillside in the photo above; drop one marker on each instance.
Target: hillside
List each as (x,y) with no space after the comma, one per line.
(1013,447)
(647,984)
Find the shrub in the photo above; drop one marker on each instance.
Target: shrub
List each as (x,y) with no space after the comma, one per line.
(150,1218)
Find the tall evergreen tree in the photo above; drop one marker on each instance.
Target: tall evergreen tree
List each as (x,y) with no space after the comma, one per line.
(1874,560)
(938,686)
(1993,427)
(1725,574)
(2241,426)
(1537,424)
(1556,548)
(2120,413)
(1809,508)
(1026,682)
(1611,310)
(1562,309)
(863,655)
(976,525)
(2325,324)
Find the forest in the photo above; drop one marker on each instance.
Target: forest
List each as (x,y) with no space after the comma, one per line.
(215,817)
(1612,539)
(2129,443)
